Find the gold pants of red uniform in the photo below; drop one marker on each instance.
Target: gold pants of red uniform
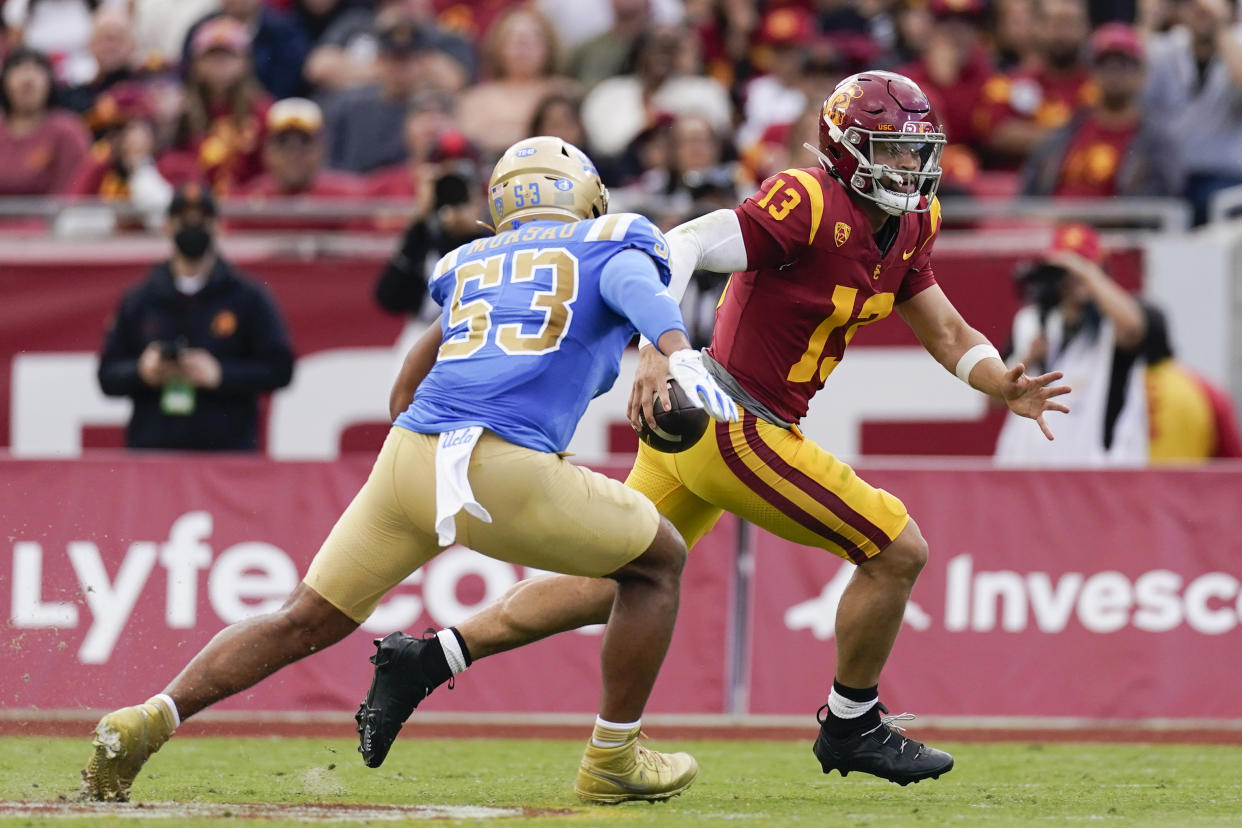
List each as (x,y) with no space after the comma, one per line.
(776,479)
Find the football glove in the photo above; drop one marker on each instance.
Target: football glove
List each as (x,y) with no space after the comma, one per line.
(701,387)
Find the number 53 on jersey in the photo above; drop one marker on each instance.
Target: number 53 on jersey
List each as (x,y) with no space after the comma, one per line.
(548,275)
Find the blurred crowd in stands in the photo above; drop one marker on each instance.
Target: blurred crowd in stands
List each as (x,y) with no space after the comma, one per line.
(685,104)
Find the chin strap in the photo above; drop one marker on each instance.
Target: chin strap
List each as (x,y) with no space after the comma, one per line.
(824,160)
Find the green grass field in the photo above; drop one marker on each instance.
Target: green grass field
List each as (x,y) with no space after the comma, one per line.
(742,783)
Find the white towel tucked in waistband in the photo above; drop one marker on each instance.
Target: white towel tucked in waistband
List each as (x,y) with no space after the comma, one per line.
(452,483)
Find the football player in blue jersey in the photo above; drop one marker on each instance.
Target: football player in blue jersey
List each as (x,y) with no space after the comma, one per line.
(535,320)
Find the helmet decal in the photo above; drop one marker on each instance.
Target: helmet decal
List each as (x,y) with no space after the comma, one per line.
(835,106)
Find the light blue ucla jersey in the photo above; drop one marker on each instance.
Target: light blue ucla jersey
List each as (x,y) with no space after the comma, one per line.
(527,338)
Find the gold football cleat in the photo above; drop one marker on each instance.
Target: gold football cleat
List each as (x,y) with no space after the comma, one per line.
(632,772)
(124,740)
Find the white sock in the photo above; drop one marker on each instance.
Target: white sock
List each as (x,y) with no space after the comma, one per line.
(452,651)
(172,705)
(621,727)
(844,708)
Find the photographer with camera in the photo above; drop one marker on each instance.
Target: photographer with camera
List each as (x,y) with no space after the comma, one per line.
(448,206)
(1077,320)
(195,344)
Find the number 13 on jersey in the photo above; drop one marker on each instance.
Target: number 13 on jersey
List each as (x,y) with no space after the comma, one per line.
(481,284)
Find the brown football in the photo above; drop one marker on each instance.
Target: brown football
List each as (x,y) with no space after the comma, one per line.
(678,428)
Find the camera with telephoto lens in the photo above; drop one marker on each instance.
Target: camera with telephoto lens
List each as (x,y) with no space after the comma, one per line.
(452,187)
(1039,284)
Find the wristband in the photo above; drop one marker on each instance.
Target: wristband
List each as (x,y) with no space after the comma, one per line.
(973,357)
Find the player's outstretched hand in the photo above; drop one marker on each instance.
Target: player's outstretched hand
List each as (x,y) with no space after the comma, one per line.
(691,374)
(1031,396)
(650,381)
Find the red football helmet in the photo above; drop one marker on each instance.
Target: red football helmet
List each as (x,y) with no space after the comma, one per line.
(879,135)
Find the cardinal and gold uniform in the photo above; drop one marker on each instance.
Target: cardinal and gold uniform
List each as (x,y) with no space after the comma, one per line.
(817,275)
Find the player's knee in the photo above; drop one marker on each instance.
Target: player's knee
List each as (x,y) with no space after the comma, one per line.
(309,619)
(670,548)
(910,550)
(905,557)
(662,561)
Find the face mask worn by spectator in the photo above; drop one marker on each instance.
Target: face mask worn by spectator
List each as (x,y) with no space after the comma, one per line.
(192,240)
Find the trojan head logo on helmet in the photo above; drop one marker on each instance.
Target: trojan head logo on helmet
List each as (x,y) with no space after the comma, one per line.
(879,135)
(544,178)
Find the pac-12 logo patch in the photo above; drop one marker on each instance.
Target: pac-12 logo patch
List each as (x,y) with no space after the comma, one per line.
(841,233)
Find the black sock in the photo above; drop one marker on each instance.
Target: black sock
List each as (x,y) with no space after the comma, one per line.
(836,726)
(461,642)
(433,663)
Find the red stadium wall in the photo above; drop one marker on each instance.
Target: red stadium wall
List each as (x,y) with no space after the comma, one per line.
(54,310)
(1109,595)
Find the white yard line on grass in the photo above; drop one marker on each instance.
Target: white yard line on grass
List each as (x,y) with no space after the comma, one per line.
(254,810)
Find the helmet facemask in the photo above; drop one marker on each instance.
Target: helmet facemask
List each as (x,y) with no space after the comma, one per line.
(904,169)
(896,170)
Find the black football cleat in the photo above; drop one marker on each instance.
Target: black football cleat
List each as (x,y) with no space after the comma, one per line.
(881,751)
(396,689)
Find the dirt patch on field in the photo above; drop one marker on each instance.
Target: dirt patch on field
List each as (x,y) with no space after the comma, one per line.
(340,812)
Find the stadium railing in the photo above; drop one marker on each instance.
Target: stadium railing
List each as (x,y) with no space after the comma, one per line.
(72,216)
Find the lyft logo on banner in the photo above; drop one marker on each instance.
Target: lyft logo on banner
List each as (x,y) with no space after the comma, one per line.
(1008,601)
(245,579)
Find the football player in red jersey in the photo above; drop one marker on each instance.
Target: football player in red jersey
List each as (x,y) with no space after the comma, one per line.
(815,254)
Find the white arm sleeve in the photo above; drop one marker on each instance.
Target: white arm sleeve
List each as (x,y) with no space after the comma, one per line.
(711,242)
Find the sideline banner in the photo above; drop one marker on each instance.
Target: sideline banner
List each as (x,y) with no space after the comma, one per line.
(114,572)
(1082,594)
(1105,594)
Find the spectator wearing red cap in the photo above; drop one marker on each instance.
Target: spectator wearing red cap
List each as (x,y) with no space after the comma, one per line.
(40,147)
(293,156)
(1021,107)
(220,130)
(1109,148)
(953,65)
(1077,320)
(776,97)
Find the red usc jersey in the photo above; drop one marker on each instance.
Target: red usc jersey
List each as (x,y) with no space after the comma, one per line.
(817,276)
